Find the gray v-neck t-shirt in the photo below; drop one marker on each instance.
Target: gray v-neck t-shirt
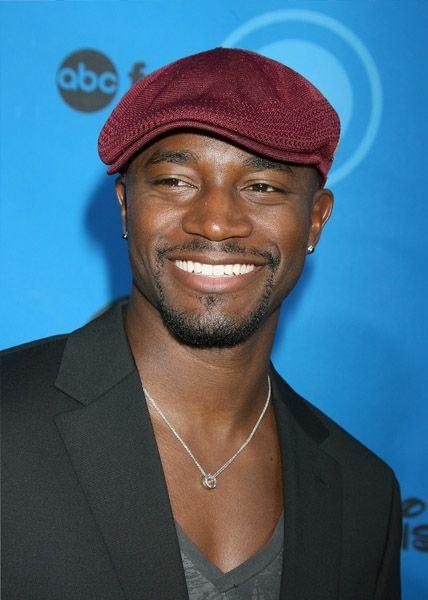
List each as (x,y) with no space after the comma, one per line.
(258,578)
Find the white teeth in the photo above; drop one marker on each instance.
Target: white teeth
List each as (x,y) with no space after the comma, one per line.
(218,270)
(214,270)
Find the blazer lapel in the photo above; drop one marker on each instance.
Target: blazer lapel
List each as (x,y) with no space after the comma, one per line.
(113,450)
(312,501)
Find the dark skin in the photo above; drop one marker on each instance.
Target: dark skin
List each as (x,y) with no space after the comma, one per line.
(186,187)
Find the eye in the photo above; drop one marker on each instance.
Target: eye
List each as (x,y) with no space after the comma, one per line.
(172,182)
(263,188)
(261,192)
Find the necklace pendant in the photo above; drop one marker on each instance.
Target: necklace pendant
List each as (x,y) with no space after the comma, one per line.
(209,481)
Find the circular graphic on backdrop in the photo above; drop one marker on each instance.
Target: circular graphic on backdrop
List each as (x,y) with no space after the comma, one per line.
(320,65)
(87,80)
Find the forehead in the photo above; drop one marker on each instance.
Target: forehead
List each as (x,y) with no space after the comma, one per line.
(200,148)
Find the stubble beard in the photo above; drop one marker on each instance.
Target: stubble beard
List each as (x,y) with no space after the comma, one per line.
(211,328)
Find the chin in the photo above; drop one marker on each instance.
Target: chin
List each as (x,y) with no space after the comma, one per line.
(213,329)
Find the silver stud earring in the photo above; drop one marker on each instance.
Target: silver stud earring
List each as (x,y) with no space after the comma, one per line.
(310,249)
(125,235)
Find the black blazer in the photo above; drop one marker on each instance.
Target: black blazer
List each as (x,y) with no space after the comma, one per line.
(86,514)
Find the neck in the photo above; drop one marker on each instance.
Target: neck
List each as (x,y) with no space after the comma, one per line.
(224,387)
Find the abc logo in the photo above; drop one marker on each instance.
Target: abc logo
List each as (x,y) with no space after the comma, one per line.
(87,80)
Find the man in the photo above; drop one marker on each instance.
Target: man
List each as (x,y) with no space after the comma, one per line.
(156,453)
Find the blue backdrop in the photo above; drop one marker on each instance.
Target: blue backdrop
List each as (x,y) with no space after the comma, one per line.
(353,333)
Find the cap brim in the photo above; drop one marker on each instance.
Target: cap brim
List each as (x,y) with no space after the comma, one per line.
(237,137)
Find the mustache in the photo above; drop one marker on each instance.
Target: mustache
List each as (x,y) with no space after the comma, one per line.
(272,259)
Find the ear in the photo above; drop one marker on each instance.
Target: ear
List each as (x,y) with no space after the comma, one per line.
(322,206)
(121,196)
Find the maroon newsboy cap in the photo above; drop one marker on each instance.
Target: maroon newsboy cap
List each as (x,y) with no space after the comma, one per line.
(244,97)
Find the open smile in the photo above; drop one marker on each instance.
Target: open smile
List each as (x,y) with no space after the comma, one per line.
(214,278)
(209,270)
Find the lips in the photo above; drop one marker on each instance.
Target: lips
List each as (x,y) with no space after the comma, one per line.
(214,278)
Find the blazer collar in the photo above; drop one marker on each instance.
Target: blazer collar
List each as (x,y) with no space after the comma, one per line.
(96,357)
(112,446)
(312,491)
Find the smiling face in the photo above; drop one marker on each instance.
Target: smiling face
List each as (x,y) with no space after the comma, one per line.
(217,234)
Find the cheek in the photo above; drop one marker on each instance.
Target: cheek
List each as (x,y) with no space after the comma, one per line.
(150,220)
(291,232)
(150,226)
(289,229)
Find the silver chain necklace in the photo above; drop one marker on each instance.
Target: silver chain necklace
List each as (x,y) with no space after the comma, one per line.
(209,480)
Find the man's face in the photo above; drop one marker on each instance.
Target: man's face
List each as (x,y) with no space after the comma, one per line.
(217,235)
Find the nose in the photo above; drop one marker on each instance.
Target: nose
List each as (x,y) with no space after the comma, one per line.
(217,215)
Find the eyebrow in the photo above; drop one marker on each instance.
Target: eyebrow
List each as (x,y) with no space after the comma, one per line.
(260,163)
(179,157)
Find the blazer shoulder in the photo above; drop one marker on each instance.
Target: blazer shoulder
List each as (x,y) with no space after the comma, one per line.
(34,344)
(349,451)
(31,365)
(331,437)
